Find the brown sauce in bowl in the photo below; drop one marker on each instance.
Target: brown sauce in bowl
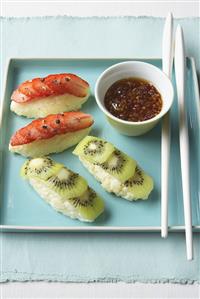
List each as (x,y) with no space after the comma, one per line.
(133,99)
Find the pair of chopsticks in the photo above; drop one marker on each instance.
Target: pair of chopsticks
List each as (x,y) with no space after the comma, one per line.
(179,62)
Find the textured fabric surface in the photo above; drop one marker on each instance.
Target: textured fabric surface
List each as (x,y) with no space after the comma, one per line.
(98,257)
(88,257)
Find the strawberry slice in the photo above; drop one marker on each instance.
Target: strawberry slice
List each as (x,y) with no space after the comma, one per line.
(82,83)
(67,83)
(75,85)
(19,97)
(27,89)
(41,88)
(55,84)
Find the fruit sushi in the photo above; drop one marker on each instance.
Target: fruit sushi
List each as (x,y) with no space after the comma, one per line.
(51,134)
(67,192)
(117,172)
(56,93)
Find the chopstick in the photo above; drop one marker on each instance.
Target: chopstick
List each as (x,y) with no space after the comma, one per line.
(183,137)
(167,60)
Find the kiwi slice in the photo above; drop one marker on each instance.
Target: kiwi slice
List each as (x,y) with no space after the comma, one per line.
(140,185)
(67,183)
(88,206)
(119,165)
(41,168)
(93,149)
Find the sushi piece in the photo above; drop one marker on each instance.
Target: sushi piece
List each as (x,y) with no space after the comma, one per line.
(57,93)
(66,191)
(52,134)
(117,172)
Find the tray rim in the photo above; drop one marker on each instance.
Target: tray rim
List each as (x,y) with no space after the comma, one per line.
(20,228)
(15,228)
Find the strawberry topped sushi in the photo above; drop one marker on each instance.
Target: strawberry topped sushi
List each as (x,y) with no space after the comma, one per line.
(51,134)
(56,93)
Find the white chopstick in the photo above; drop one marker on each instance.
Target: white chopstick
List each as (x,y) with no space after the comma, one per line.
(183,136)
(167,60)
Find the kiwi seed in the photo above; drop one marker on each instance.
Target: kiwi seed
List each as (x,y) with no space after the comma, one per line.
(47,163)
(67,183)
(94,147)
(84,202)
(64,183)
(117,166)
(137,179)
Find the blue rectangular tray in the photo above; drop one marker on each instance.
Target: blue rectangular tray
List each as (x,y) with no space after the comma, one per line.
(22,209)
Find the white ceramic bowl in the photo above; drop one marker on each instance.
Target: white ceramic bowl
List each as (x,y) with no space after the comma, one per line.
(135,69)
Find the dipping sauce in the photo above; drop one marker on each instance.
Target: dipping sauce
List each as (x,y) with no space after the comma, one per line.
(133,99)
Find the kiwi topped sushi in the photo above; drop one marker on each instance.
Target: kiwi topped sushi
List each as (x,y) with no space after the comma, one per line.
(67,192)
(117,172)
